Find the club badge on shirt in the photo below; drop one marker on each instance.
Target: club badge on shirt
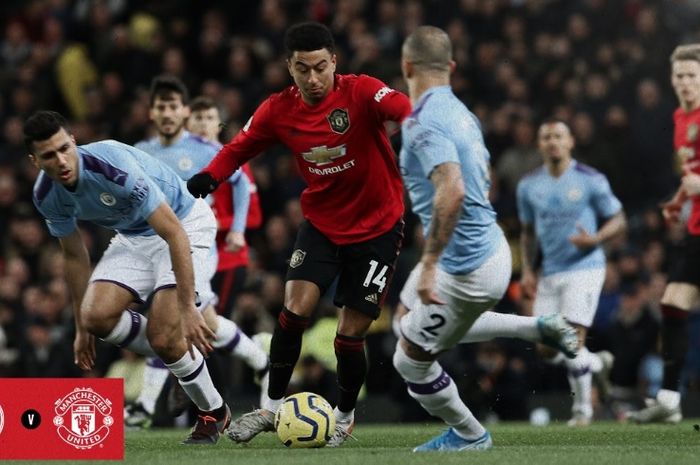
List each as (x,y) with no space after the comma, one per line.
(339,120)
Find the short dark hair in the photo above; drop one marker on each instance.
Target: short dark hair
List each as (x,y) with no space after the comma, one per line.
(41,126)
(307,37)
(202,103)
(164,85)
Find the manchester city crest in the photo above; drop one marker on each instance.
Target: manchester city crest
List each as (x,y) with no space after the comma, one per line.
(107,199)
(339,120)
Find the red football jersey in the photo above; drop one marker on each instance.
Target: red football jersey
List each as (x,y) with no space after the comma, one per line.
(354,191)
(686,140)
(223,210)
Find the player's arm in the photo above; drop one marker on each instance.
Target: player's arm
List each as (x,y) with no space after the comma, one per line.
(528,256)
(257,135)
(389,106)
(606,205)
(235,239)
(164,222)
(447,206)
(77,263)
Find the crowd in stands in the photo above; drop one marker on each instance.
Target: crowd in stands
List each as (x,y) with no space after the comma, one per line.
(600,65)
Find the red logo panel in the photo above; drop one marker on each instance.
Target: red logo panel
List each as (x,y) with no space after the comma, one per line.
(62,418)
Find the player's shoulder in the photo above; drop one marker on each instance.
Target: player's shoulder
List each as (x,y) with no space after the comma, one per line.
(146,143)
(43,188)
(201,142)
(583,169)
(288,95)
(533,176)
(109,158)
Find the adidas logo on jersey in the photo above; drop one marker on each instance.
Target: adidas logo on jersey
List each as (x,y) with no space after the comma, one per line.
(372,298)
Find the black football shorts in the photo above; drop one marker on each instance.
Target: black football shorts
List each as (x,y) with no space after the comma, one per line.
(686,267)
(364,269)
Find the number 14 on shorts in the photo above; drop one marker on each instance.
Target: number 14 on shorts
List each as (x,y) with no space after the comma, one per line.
(374,277)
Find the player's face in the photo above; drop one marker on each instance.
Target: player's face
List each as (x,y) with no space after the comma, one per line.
(169,115)
(57,156)
(685,78)
(555,142)
(313,72)
(205,123)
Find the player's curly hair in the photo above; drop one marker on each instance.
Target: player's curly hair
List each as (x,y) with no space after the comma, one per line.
(41,126)
(307,37)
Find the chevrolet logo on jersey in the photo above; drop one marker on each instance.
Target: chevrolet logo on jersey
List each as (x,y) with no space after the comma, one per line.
(323,155)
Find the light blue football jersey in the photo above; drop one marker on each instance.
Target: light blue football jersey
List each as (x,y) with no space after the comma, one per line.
(188,156)
(555,206)
(118,188)
(441,129)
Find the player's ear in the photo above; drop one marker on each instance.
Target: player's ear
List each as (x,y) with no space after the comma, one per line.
(453,65)
(406,68)
(33,160)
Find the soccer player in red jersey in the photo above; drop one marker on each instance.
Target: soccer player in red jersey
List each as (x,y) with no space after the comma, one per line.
(205,121)
(683,288)
(335,126)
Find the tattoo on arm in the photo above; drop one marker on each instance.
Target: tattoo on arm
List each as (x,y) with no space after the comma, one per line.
(447,206)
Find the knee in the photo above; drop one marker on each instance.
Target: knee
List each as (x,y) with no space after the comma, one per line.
(407,367)
(98,323)
(162,340)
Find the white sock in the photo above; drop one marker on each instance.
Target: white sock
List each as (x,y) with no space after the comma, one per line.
(130,333)
(231,339)
(270,404)
(558,359)
(194,378)
(155,373)
(491,325)
(668,398)
(344,417)
(594,360)
(580,381)
(435,390)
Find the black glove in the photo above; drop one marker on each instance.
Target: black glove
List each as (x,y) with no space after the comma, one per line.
(202,184)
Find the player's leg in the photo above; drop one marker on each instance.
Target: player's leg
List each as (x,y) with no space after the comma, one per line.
(165,334)
(580,292)
(429,329)
(165,328)
(122,276)
(312,268)
(367,269)
(678,299)
(551,330)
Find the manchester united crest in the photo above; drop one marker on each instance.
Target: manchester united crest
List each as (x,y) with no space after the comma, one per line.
(297,258)
(83,418)
(692,132)
(339,120)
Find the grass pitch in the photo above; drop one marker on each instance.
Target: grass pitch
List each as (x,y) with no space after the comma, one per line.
(514,443)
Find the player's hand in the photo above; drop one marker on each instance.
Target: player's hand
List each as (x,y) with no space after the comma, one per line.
(202,184)
(582,239)
(426,285)
(84,350)
(235,241)
(528,284)
(691,183)
(671,211)
(197,333)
